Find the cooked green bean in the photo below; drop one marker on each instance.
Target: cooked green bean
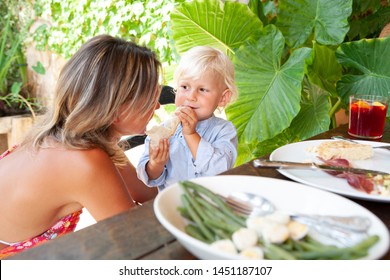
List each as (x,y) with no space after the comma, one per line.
(195,232)
(216,199)
(195,217)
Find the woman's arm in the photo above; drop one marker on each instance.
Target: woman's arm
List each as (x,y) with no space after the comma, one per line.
(136,188)
(91,178)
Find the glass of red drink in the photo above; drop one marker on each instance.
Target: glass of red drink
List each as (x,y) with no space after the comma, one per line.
(367,116)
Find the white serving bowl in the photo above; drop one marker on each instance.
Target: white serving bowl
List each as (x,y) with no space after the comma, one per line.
(286,195)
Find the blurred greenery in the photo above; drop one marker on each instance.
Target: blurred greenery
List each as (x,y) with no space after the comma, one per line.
(71,23)
(14,88)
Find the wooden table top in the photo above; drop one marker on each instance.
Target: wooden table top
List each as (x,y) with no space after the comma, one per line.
(137,234)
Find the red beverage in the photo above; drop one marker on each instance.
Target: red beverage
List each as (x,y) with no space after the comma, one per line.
(367,116)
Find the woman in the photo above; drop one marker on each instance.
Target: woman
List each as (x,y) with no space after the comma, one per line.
(71,160)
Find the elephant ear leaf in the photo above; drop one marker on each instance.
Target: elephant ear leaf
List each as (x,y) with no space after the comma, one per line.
(269,92)
(368,68)
(326,20)
(313,118)
(211,22)
(323,68)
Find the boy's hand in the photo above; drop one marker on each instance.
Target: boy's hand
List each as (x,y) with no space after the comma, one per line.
(188,119)
(158,157)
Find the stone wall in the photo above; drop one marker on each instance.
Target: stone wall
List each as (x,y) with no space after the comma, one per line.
(43,86)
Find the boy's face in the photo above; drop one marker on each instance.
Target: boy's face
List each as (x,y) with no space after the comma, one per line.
(203,95)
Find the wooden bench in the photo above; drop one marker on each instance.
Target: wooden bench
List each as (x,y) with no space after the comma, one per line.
(13,129)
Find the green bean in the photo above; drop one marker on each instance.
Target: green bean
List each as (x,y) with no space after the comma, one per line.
(184,212)
(221,234)
(195,232)
(331,252)
(221,225)
(195,217)
(216,213)
(275,252)
(215,198)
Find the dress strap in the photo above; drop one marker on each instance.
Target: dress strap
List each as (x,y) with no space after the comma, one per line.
(7,152)
(5,243)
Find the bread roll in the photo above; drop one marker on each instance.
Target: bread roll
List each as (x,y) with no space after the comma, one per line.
(156,133)
(345,150)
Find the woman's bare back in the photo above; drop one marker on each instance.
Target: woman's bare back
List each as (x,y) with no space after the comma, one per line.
(44,186)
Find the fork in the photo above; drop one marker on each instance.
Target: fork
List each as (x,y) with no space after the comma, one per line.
(348,235)
(348,223)
(353,141)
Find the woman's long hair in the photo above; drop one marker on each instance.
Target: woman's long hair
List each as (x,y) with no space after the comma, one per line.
(104,74)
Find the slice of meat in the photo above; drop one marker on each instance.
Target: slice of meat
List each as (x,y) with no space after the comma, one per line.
(361,182)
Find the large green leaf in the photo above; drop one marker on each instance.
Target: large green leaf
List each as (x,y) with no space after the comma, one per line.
(313,118)
(323,68)
(368,65)
(269,93)
(210,22)
(326,20)
(254,149)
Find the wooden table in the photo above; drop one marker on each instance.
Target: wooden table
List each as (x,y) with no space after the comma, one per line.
(137,234)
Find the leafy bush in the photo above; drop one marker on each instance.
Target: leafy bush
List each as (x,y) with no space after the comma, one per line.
(73,22)
(14,91)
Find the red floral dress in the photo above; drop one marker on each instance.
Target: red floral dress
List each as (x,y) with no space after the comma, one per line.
(65,225)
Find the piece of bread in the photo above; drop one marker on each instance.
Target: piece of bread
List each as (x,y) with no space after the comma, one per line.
(166,130)
(344,149)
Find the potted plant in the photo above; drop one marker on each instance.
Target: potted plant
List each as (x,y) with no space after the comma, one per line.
(296,61)
(15,94)
(14,88)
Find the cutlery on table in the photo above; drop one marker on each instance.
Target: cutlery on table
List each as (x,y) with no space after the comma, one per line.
(353,141)
(254,204)
(347,230)
(313,166)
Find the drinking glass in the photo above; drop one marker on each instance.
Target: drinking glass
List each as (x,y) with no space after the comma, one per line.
(367,116)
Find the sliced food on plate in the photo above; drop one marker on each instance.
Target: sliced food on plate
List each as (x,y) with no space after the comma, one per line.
(341,153)
(369,181)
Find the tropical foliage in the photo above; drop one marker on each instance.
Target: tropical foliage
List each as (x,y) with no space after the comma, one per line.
(14,88)
(72,23)
(295,61)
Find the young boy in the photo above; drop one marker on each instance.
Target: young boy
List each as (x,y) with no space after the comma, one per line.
(203,144)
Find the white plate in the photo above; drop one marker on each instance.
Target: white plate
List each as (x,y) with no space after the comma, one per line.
(300,152)
(285,194)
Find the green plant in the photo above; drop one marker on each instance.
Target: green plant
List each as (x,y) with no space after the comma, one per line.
(71,23)
(295,64)
(14,97)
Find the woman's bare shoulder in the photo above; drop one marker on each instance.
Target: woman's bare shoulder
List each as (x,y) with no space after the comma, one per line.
(73,166)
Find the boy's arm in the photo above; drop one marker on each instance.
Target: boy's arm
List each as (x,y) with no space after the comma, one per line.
(193,141)
(220,154)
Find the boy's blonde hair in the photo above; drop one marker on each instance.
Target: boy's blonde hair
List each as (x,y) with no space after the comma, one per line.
(199,59)
(104,74)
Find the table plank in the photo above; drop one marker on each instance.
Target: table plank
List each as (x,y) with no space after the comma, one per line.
(129,235)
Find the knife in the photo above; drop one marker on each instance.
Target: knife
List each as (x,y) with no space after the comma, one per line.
(313,166)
